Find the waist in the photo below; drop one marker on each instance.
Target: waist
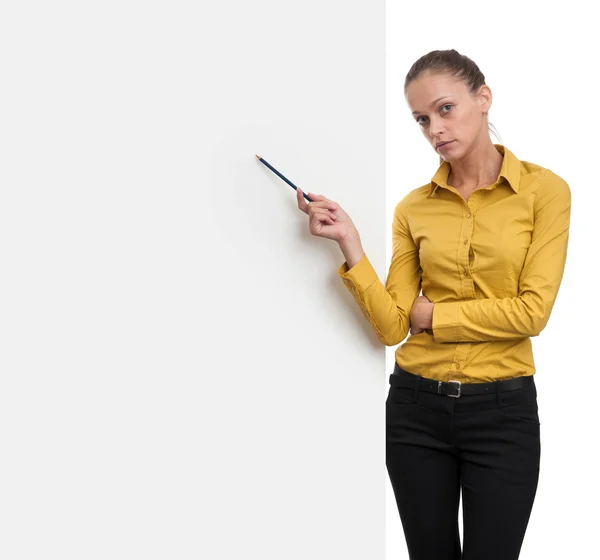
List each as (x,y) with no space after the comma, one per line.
(454,388)
(468,362)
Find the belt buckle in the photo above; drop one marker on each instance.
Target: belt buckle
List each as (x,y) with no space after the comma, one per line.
(450,381)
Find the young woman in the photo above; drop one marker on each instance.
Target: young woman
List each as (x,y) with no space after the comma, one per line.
(486,242)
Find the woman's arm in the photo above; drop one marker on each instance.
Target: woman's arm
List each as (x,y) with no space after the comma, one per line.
(387,308)
(526,314)
(352,248)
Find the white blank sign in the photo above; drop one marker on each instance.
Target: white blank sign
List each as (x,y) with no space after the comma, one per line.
(183,374)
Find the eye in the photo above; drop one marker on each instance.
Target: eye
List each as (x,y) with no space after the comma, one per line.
(447,105)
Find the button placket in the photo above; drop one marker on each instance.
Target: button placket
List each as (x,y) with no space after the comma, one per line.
(466,233)
(467,282)
(459,360)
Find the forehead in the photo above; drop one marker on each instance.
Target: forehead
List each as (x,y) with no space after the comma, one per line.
(424,90)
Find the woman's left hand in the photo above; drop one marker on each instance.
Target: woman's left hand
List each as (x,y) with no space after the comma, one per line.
(421,315)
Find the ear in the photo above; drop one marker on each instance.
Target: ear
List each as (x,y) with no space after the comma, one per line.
(484,97)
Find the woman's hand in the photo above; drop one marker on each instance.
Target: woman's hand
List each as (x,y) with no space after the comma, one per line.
(421,315)
(327,219)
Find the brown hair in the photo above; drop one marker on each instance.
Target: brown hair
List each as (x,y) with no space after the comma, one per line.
(453,63)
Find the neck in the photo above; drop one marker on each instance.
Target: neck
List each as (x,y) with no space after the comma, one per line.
(478,168)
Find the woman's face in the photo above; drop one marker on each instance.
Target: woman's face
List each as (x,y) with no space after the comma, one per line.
(446,112)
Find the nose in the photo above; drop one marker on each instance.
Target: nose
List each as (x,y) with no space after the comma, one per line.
(436,130)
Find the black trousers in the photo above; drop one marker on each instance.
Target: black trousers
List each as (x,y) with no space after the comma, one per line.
(487,445)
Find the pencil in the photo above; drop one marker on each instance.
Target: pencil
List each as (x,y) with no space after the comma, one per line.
(284,178)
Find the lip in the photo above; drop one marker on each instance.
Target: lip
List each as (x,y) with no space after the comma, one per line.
(442,144)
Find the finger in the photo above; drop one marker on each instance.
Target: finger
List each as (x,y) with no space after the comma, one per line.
(301,202)
(323,217)
(320,201)
(322,204)
(320,198)
(313,207)
(323,211)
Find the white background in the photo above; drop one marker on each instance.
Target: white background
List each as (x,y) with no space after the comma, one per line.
(540,64)
(183,375)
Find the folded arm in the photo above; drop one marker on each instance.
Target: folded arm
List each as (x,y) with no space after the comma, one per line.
(526,314)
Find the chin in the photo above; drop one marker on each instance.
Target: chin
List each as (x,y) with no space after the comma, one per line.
(451,156)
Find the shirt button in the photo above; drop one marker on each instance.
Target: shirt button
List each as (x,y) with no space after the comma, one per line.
(466,241)
(469,215)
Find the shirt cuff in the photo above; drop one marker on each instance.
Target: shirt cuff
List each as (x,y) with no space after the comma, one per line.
(361,276)
(445,324)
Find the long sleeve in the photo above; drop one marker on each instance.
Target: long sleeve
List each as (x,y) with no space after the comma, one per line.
(387,308)
(526,314)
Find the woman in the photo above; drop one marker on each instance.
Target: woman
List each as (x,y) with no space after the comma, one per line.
(486,241)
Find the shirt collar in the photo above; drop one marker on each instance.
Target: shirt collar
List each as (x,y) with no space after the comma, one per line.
(510,170)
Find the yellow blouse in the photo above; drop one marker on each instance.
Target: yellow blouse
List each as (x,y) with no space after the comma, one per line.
(492,265)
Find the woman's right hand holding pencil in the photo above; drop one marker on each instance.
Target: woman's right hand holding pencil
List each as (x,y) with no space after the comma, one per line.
(326,218)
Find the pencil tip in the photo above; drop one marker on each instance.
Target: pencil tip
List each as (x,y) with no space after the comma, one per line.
(257,156)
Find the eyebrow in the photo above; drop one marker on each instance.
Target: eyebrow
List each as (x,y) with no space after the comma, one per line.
(433,103)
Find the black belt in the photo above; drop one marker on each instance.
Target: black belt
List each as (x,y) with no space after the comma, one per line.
(456,388)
